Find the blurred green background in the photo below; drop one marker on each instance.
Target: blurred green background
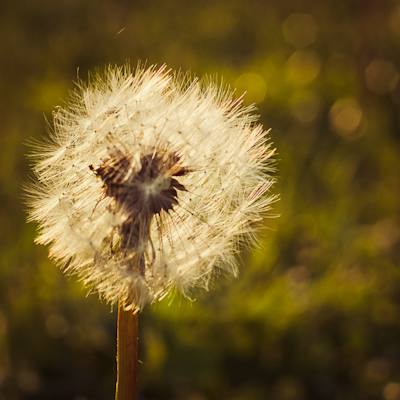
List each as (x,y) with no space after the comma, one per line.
(315,313)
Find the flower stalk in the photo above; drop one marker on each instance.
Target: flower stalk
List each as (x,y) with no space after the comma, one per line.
(127,354)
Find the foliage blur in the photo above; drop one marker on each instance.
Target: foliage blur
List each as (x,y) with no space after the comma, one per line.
(315,313)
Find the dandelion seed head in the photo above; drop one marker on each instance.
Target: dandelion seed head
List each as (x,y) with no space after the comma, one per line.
(149,183)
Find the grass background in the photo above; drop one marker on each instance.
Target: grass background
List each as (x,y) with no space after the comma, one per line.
(315,313)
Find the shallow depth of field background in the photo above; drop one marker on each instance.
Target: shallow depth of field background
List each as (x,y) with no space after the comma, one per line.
(315,313)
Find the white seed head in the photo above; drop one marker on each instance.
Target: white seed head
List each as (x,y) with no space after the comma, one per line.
(149,183)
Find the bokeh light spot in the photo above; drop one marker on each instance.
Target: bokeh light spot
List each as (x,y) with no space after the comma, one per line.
(303,67)
(289,388)
(378,369)
(381,76)
(394,21)
(345,117)
(57,325)
(305,106)
(254,86)
(392,391)
(385,234)
(298,277)
(28,380)
(300,30)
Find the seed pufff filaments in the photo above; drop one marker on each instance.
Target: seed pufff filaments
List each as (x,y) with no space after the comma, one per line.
(150,184)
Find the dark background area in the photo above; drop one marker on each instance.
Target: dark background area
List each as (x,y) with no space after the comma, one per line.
(315,313)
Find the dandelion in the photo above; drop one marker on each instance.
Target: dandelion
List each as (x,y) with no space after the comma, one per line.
(149,184)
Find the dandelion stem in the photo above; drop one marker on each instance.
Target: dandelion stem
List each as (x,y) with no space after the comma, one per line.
(127,354)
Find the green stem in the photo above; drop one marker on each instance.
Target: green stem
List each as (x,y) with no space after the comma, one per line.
(127,354)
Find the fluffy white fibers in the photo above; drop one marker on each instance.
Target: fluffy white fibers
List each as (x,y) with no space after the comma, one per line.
(150,182)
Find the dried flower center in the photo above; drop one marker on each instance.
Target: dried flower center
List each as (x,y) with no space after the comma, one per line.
(142,189)
(141,186)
